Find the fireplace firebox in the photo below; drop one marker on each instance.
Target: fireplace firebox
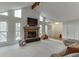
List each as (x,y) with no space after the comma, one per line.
(32,34)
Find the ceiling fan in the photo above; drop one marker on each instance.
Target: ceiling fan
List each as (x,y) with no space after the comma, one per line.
(35,5)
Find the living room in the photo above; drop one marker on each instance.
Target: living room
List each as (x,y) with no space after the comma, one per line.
(39,29)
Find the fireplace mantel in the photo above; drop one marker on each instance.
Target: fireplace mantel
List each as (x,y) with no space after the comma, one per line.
(31,28)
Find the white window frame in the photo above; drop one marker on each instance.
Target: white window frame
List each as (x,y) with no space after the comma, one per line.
(4,13)
(18,31)
(5,31)
(18,13)
(46,29)
(40,31)
(41,18)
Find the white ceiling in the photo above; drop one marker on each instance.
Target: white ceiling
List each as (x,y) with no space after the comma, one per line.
(60,11)
(4,6)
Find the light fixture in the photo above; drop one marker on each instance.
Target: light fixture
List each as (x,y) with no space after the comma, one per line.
(56,23)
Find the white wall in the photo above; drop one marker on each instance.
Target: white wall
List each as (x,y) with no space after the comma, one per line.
(50,33)
(57,29)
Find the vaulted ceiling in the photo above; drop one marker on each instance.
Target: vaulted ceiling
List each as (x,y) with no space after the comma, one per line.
(4,6)
(59,11)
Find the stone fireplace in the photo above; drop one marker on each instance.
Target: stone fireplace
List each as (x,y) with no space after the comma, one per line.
(31,32)
(31,29)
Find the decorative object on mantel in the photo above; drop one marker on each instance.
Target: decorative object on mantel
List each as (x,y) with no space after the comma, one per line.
(22,43)
(44,37)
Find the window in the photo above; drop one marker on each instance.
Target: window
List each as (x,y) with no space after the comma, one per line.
(18,31)
(41,18)
(46,29)
(17,13)
(40,30)
(4,13)
(3,31)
